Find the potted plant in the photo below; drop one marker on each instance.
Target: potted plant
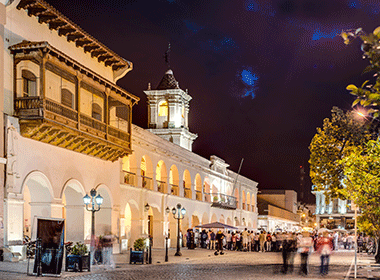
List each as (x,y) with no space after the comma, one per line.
(138,252)
(78,259)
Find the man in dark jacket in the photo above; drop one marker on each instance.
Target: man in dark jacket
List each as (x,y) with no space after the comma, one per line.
(219,238)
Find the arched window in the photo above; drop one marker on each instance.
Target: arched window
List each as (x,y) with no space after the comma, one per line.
(67,98)
(96,112)
(163,109)
(29,83)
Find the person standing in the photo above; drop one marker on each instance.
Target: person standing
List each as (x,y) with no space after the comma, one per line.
(324,247)
(229,240)
(305,245)
(256,241)
(262,238)
(244,237)
(219,238)
(212,240)
(269,242)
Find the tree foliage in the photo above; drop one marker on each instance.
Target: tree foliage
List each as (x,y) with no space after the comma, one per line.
(330,145)
(362,181)
(368,94)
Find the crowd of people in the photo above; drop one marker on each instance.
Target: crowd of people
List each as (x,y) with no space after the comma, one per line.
(287,243)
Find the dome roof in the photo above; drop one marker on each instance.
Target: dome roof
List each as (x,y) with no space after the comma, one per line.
(168,81)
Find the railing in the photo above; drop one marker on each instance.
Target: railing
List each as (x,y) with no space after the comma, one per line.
(30,102)
(91,122)
(223,201)
(60,109)
(161,186)
(198,195)
(146,182)
(207,197)
(32,107)
(129,178)
(118,133)
(174,189)
(187,192)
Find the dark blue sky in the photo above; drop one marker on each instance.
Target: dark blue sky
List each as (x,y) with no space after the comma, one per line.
(263,74)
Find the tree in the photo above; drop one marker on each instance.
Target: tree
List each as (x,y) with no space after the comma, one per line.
(362,181)
(368,94)
(330,145)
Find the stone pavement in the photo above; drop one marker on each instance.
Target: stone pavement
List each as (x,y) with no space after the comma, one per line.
(201,263)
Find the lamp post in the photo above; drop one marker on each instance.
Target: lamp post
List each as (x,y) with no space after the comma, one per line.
(178,214)
(95,201)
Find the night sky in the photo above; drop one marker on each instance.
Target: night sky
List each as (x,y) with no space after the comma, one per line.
(263,74)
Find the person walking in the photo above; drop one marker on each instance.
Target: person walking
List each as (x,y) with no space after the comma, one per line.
(269,242)
(256,241)
(229,240)
(305,246)
(324,247)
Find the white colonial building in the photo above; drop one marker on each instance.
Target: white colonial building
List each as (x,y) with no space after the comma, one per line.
(68,130)
(333,214)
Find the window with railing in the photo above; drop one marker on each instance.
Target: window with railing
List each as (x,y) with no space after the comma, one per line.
(207,197)
(161,186)
(187,192)
(198,195)
(146,182)
(174,190)
(129,178)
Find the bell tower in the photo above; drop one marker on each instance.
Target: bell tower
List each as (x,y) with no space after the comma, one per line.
(168,111)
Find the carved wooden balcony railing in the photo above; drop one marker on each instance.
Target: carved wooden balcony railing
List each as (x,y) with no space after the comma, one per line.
(49,121)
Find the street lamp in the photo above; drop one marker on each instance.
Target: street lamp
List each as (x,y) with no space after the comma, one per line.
(95,201)
(178,214)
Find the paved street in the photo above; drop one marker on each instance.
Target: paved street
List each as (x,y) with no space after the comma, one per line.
(203,264)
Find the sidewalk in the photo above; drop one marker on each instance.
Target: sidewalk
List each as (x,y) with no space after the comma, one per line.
(366,266)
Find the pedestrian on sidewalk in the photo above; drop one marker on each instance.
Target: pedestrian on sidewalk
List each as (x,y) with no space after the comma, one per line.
(325,247)
(219,238)
(262,238)
(244,237)
(212,240)
(304,247)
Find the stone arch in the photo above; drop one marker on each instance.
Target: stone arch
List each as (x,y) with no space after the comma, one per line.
(195,220)
(214,187)
(221,219)
(174,180)
(146,172)
(243,201)
(130,223)
(103,218)
(214,218)
(129,168)
(37,194)
(187,184)
(161,177)
(205,218)
(198,187)
(155,225)
(73,210)
(248,201)
(206,190)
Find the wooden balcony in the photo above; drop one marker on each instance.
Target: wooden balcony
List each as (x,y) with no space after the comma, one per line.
(50,122)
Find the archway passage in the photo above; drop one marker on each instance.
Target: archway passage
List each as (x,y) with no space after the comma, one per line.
(73,211)
(38,195)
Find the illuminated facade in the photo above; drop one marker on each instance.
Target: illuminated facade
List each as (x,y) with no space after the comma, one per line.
(69,129)
(336,214)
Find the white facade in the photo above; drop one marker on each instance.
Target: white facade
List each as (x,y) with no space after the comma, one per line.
(47,175)
(333,214)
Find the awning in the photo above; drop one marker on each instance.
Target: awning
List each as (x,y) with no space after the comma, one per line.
(216,225)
